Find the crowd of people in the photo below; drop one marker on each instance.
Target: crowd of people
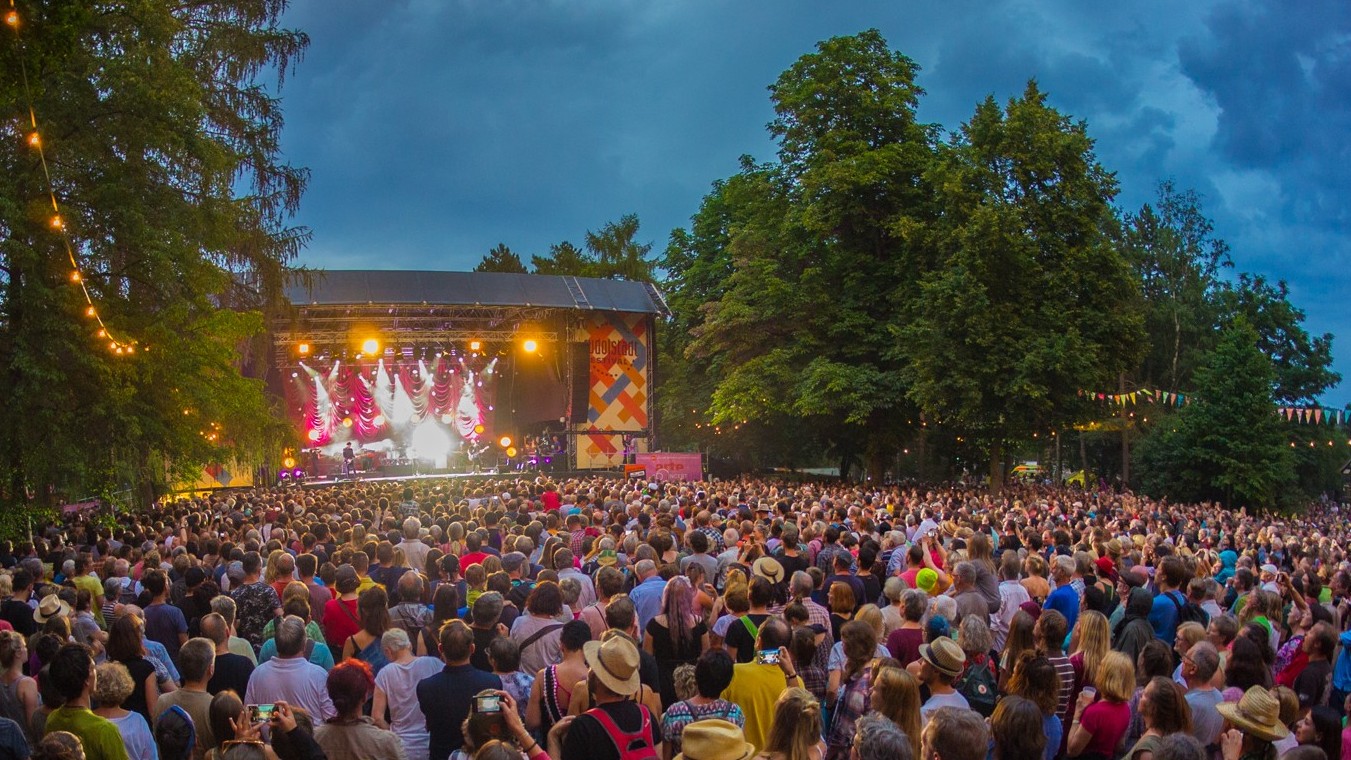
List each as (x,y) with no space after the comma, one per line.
(600,618)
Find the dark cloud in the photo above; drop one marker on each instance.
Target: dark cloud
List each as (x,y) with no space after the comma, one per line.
(436,129)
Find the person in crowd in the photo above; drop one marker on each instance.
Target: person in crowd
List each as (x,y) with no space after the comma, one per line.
(1199,666)
(849,700)
(19,697)
(756,685)
(126,646)
(396,693)
(257,601)
(365,644)
(225,607)
(196,663)
(942,661)
(341,616)
(1015,730)
(1163,706)
(112,686)
(742,632)
(230,670)
(1101,718)
(676,636)
(1320,726)
(349,735)
(895,696)
(551,692)
(1034,679)
(879,739)
(1252,726)
(73,678)
(793,727)
(445,697)
(952,733)
(616,719)
(290,677)
(505,658)
(164,623)
(712,675)
(1064,599)
(538,632)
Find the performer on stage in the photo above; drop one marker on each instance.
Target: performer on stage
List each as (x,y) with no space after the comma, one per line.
(349,461)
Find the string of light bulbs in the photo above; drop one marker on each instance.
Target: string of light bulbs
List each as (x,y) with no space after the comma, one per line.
(118,346)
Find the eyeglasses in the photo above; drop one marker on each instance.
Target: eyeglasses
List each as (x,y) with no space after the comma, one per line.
(242,742)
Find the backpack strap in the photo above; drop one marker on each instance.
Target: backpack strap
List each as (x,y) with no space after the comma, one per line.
(537,635)
(624,740)
(751,627)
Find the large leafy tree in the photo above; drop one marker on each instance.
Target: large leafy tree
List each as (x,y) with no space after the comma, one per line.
(1179,263)
(162,146)
(501,259)
(1227,444)
(820,254)
(1030,301)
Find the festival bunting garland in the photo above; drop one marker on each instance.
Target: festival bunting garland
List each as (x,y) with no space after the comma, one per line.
(1312,415)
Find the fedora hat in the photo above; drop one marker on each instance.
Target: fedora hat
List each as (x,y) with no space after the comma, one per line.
(615,662)
(944,655)
(768,568)
(1257,713)
(50,607)
(714,739)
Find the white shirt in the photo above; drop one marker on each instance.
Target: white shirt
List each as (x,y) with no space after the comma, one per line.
(1011,596)
(295,681)
(399,683)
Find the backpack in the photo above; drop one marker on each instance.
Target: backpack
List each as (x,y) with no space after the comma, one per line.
(631,746)
(979,685)
(1190,612)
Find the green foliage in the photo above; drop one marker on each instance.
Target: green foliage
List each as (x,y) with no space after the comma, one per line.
(164,150)
(1178,262)
(563,259)
(501,259)
(613,253)
(1228,444)
(1029,300)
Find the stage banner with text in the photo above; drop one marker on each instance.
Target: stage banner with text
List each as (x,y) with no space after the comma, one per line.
(619,349)
(665,467)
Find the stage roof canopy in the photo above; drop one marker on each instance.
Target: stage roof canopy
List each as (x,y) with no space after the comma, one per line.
(372,286)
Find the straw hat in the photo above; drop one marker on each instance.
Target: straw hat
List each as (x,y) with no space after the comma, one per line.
(50,607)
(768,568)
(615,662)
(944,655)
(714,739)
(1257,713)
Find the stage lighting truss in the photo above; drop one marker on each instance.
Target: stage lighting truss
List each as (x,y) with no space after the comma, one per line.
(408,331)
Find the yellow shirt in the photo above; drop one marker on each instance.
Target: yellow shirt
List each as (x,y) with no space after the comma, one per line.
(365,583)
(92,584)
(755,688)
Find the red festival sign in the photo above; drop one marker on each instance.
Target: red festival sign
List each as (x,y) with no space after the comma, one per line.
(668,467)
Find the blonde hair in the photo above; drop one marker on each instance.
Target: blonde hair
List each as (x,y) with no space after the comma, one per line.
(270,569)
(1191,633)
(869,614)
(295,590)
(898,700)
(796,729)
(113,684)
(1116,677)
(1093,637)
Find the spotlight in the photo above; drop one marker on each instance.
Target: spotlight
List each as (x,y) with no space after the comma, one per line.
(303,348)
(289,462)
(446,419)
(478,430)
(370,346)
(313,435)
(346,421)
(511,451)
(379,420)
(530,346)
(506,441)
(475,345)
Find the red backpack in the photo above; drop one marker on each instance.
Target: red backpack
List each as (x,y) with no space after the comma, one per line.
(638,745)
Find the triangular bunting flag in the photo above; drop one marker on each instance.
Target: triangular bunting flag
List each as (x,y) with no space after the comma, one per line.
(1317,416)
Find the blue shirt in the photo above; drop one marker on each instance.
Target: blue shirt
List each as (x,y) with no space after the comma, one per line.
(1341,671)
(1065,601)
(445,699)
(1163,616)
(646,597)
